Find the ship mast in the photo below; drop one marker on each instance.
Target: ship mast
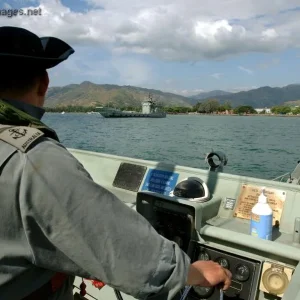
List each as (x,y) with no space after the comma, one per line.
(151,101)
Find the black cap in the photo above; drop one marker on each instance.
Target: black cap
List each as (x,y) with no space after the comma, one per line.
(19,46)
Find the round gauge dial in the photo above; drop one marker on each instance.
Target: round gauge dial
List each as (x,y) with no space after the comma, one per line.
(223,262)
(242,272)
(203,292)
(275,282)
(204,256)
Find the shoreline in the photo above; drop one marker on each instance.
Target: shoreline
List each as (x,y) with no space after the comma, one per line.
(193,114)
(237,115)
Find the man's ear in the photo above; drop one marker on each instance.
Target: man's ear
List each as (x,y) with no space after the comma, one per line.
(43,84)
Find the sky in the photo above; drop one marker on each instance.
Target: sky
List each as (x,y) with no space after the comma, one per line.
(180,46)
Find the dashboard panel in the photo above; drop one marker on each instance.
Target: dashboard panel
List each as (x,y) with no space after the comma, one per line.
(253,277)
(245,274)
(176,221)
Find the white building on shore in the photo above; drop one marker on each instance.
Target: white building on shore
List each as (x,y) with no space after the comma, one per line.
(259,110)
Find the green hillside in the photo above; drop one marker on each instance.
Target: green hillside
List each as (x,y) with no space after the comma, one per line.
(90,94)
(262,97)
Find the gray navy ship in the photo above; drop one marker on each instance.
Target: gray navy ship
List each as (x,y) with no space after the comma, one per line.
(149,110)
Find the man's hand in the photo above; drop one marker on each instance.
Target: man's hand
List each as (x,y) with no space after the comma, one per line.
(207,274)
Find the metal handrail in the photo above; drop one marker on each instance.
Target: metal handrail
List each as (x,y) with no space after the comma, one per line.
(279,178)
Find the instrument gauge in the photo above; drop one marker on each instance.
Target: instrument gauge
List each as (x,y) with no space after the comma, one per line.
(203,292)
(274,281)
(223,262)
(242,272)
(204,256)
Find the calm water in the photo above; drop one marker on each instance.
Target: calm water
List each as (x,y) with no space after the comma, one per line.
(263,147)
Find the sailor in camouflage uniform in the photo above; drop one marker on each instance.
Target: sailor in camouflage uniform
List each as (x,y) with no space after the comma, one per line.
(55,221)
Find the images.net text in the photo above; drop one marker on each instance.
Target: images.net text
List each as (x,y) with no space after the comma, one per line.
(13,12)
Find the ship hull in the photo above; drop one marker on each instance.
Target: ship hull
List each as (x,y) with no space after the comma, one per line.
(132,115)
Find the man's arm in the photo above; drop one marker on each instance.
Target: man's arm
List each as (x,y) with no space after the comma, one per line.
(75,226)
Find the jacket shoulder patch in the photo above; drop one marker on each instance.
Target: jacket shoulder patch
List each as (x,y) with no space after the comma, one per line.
(21,137)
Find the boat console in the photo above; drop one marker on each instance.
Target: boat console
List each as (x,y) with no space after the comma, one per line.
(207,214)
(178,220)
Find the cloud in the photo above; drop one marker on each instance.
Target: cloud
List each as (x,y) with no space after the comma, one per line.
(185,93)
(88,65)
(242,89)
(173,30)
(6,6)
(269,63)
(248,71)
(216,75)
(132,71)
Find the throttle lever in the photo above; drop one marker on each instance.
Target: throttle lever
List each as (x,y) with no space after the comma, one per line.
(220,287)
(185,292)
(221,294)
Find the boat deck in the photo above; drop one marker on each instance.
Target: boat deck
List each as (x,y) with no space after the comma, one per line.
(215,220)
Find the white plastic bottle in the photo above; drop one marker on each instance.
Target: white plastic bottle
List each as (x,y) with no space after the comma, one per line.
(262,218)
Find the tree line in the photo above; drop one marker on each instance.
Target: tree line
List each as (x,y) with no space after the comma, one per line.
(70,108)
(284,109)
(84,109)
(209,106)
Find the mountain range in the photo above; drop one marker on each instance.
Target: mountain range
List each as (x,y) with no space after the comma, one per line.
(91,94)
(212,94)
(263,97)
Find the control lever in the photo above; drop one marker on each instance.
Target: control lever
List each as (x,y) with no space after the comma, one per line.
(185,292)
(220,286)
(221,294)
(118,294)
